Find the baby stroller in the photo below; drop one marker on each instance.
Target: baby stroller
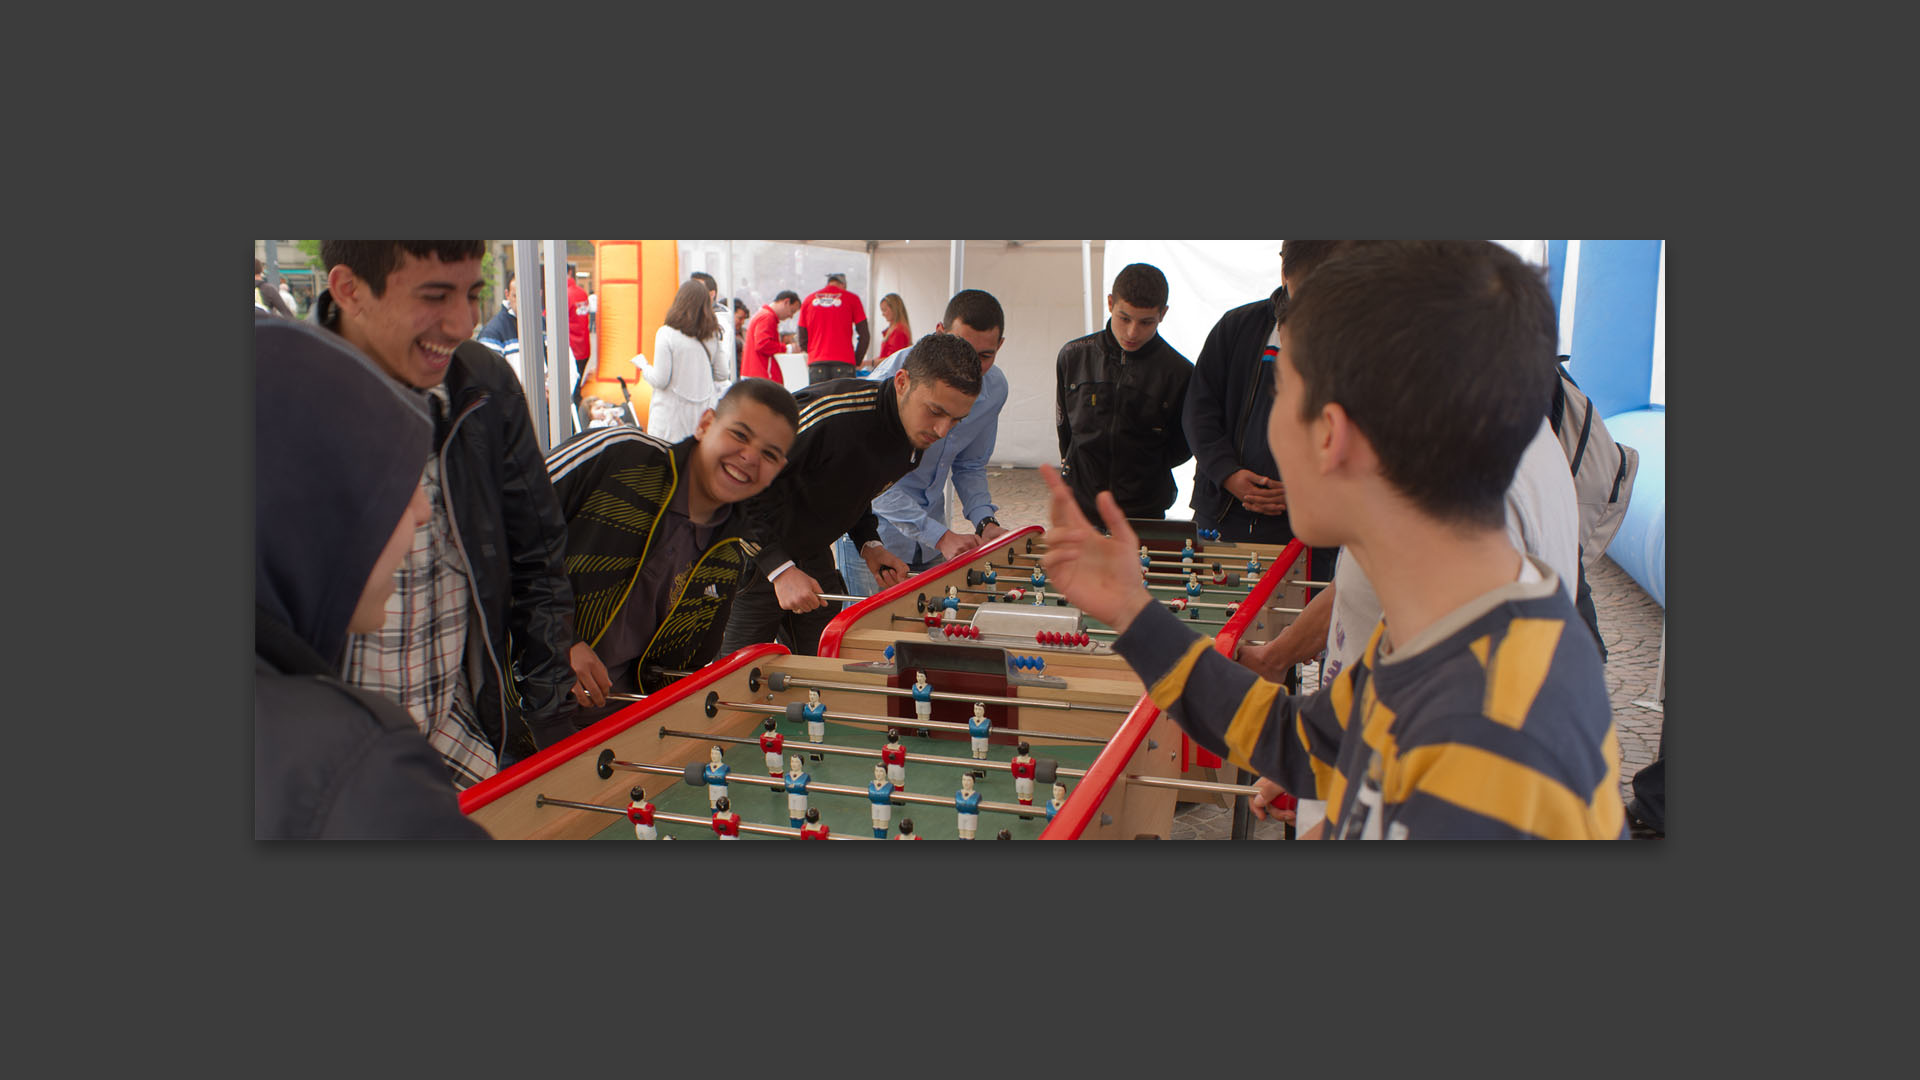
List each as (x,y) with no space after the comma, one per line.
(608,414)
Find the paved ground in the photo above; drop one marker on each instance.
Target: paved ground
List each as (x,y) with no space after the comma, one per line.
(1630,623)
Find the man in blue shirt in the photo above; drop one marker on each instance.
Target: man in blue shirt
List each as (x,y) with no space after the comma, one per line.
(913,512)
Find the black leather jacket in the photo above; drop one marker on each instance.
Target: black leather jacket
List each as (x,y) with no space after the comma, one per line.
(1118,418)
(507,522)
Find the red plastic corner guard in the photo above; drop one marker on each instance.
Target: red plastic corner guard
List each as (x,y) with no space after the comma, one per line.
(1072,818)
(836,630)
(493,787)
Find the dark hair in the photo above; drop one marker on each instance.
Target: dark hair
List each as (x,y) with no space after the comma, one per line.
(841,278)
(704,278)
(893,734)
(692,312)
(637,794)
(372,260)
(777,398)
(1300,258)
(786,294)
(948,358)
(740,305)
(1141,286)
(723,803)
(258,266)
(769,723)
(1022,747)
(509,279)
(1005,834)
(978,309)
(1441,352)
(813,813)
(906,825)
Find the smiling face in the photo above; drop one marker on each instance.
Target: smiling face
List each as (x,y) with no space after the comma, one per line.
(930,410)
(986,343)
(1133,326)
(411,329)
(740,453)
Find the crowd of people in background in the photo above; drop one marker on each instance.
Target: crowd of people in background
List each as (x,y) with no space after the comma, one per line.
(521,593)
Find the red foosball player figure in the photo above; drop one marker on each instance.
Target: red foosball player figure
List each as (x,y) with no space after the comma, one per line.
(1023,766)
(894,757)
(640,812)
(771,744)
(814,829)
(906,830)
(726,823)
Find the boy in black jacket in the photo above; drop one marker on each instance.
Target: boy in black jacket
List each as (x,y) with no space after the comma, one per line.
(856,438)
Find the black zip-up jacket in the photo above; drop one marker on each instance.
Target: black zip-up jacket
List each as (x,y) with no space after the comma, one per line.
(508,524)
(1221,403)
(1118,417)
(851,447)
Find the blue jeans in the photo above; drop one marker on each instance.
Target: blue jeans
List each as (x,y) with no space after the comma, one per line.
(854,568)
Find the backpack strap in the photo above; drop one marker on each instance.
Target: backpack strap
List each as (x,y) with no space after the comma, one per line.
(1586,428)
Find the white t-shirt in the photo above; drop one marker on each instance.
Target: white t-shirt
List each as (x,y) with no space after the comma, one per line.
(1543,519)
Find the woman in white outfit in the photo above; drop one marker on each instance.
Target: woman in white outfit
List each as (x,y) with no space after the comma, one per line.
(681,372)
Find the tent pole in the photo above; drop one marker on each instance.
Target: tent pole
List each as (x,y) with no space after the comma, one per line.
(526,308)
(553,422)
(956,267)
(1086,283)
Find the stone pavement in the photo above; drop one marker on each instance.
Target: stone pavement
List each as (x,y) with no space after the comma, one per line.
(1631,624)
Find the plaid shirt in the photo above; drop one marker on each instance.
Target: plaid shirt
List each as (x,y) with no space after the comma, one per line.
(416,658)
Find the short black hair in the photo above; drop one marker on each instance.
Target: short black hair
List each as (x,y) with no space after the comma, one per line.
(839,277)
(1005,834)
(906,825)
(1141,286)
(740,305)
(1022,747)
(813,813)
(770,723)
(1441,353)
(977,308)
(723,803)
(509,278)
(786,294)
(1299,258)
(637,794)
(372,260)
(706,279)
(948,358)
(777,398)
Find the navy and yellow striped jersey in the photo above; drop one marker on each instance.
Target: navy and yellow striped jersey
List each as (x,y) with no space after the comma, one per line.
(1494,722)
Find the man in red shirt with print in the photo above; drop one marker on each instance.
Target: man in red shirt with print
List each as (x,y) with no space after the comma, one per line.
(763,338)
(830,320)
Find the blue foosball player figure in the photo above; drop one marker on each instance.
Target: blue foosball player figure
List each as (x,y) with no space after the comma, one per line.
(922,696)
(1193,585)
(1253,563)
(815,714)
(1146,561)
(716,776)
(1186,551)
(966,802)
(990,576)
(1038,579)
(952,600)
(796,782)
(880,794)
(978,730)
(1059,800)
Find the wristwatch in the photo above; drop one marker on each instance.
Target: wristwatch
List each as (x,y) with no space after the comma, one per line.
(981,525)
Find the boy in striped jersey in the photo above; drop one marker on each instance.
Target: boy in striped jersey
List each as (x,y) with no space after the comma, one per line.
(1411,378)
(856,438)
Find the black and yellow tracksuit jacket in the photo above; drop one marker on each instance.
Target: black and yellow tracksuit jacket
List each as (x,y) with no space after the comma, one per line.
(613,484)
(1494,722)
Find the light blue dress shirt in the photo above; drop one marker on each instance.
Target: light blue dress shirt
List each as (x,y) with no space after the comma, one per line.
(913,512)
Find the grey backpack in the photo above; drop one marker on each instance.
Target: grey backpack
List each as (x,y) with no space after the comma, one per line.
(1603,470)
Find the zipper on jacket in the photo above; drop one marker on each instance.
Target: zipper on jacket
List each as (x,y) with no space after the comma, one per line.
(641,664)
(473,586)
(673,470)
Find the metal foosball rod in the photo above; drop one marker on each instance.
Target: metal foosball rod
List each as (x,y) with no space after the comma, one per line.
(685,819)
(858,751)
(791,712)
(1238,791)
(900,797)
(780,680)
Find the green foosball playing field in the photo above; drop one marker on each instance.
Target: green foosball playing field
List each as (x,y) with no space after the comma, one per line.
(851,816)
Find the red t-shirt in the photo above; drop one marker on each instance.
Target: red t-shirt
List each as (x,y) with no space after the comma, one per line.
(893,755)
(1024,769)
(763,344)
(828,317)
(577,337)
(726,826)
(771,742)
(896,340)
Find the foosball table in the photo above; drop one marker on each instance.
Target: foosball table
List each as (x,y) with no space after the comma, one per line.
(930,714)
